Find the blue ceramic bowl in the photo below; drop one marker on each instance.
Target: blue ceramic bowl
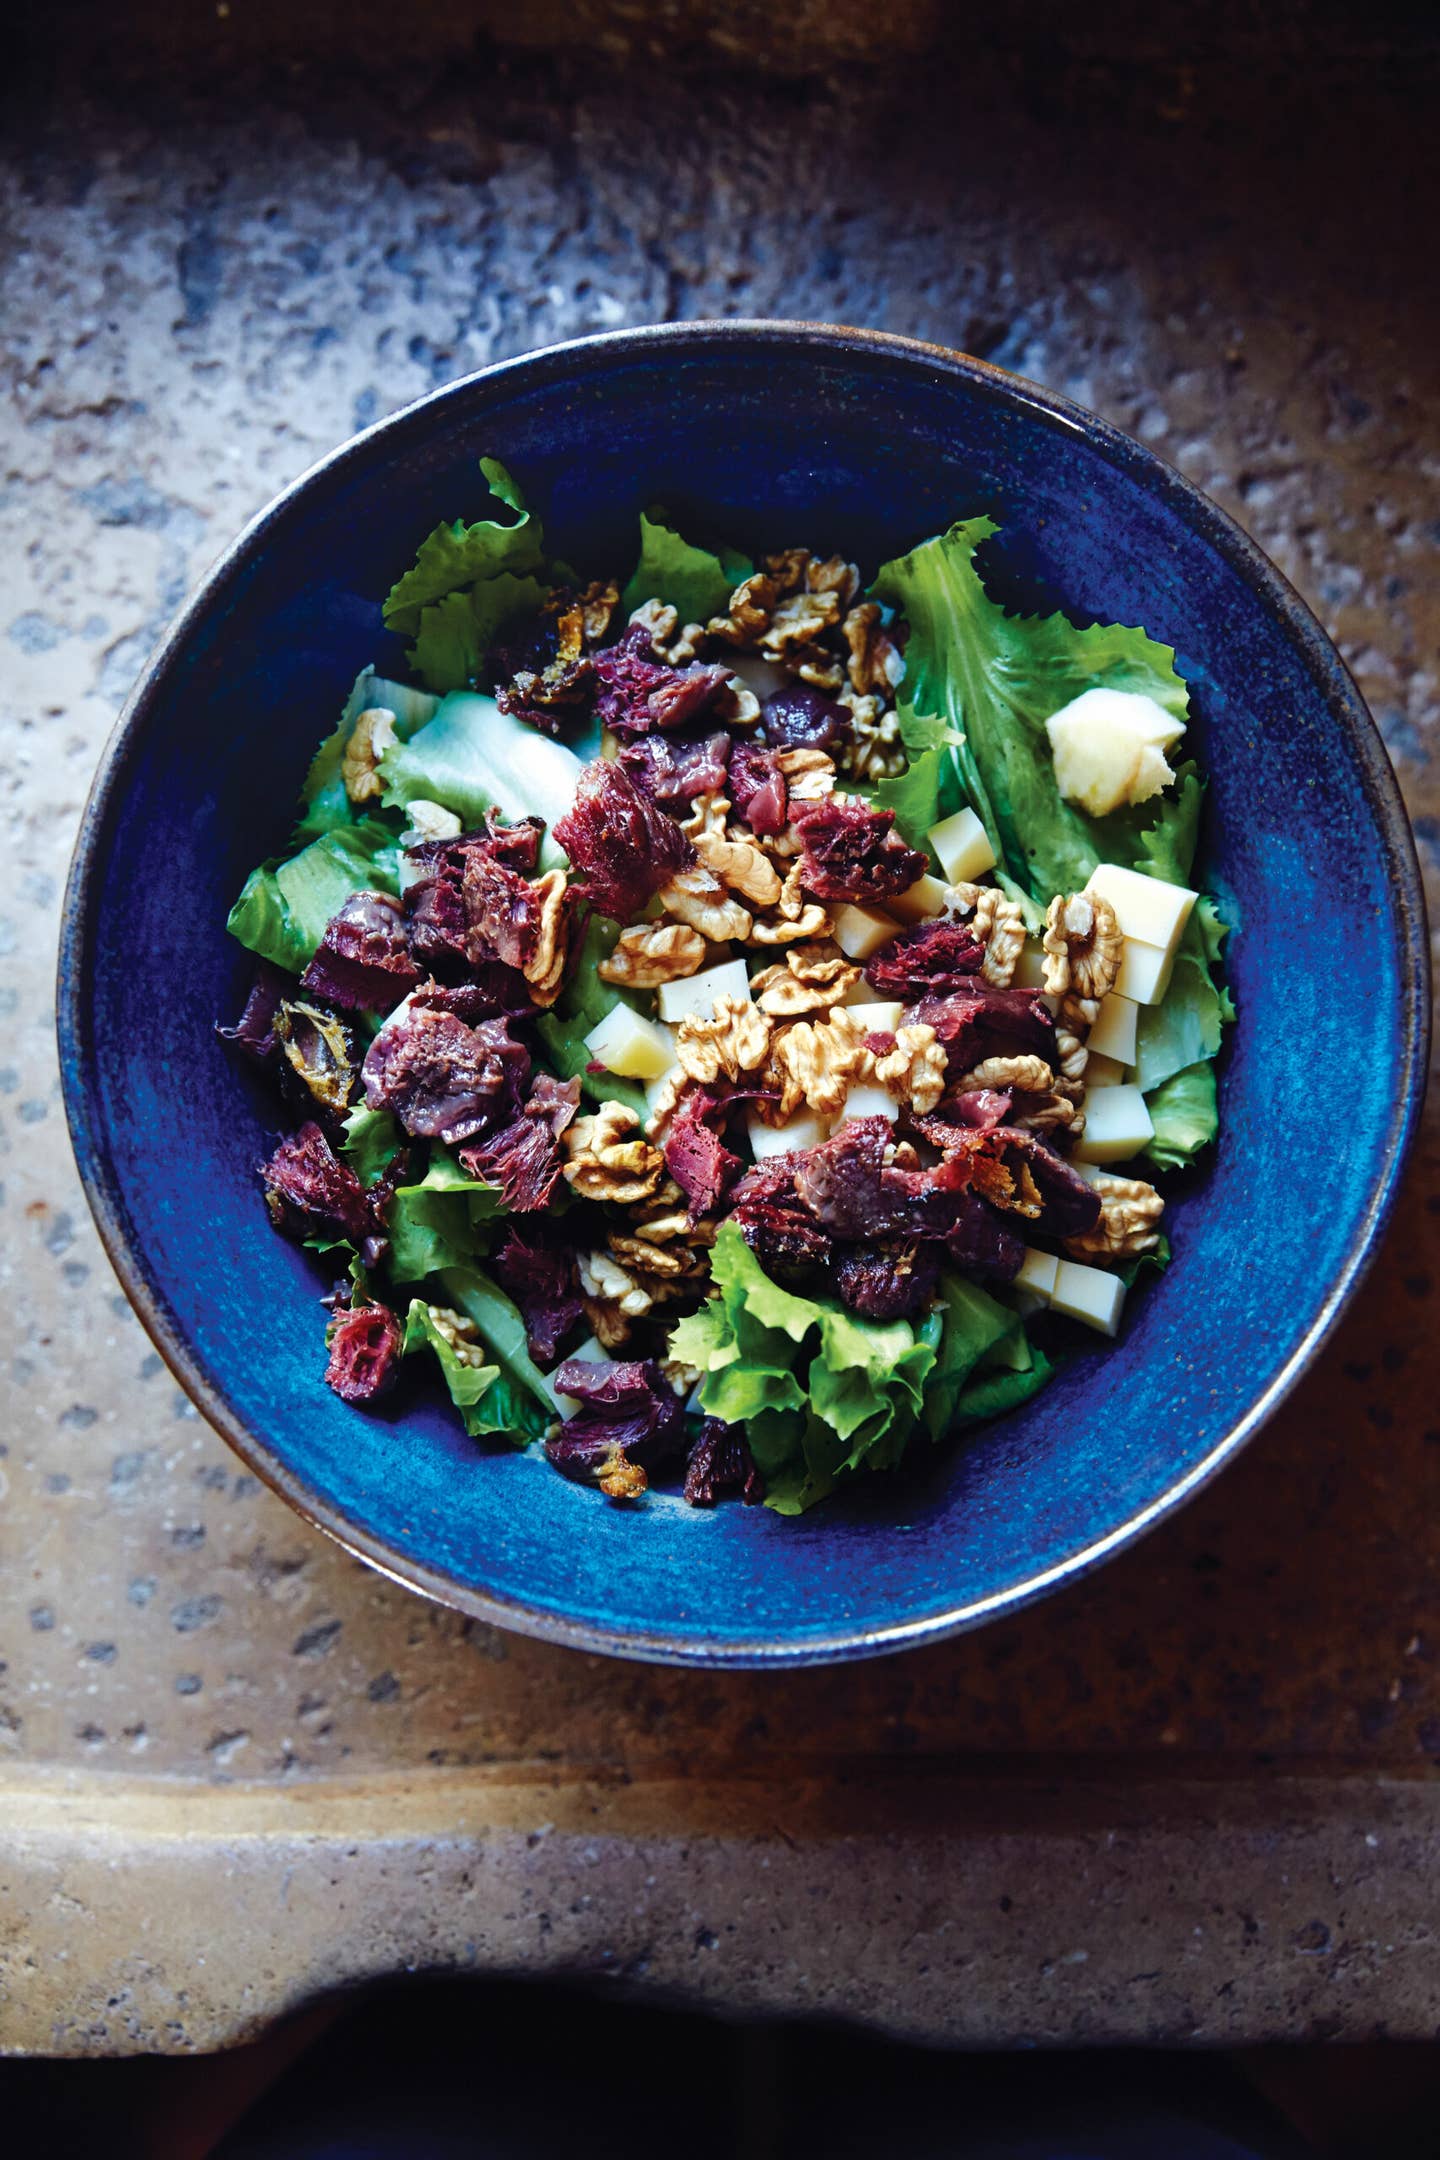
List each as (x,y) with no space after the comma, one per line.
(768,432)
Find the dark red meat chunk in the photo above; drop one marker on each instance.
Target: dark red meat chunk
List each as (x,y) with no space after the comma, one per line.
(443,1079)
(1071,1205)
(928,961)
(364,1353)
(523,1158)
(720,1462)
(636,694)
(435,903)
(538,1271)
(254,1032)
(802,718)
(757,788)
(363,962)
(851,853)
(622,847)
(629,1423)
(773,1220)
(886,1282)
(673,770)
(978,1021)
(849,1187)
(309,1192)
(695,1152)
(982,1242)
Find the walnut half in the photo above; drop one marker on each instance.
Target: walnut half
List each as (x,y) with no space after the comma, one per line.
(1082,947)
(1129,1212)
(651,954)
(606,1159)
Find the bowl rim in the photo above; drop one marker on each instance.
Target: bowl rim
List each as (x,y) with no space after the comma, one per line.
(557,362)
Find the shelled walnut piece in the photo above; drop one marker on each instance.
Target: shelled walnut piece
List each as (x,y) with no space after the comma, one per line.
(914,1071)
(815,1063)
(999,924)
(651,954)
(607,1159)
(732,1040)
(1082,947)
(1130,1210)
(371,736)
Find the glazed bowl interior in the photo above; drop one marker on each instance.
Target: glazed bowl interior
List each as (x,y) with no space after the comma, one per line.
(769,434)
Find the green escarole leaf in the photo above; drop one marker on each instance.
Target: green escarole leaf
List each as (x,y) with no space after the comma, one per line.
(456,632)
(372,1141)
(471,757)
(458,556)
(995,1392)
(996,679)
(468,1382)
(694,581)
(284,907)
(973,1325)
(438,1222)
(1184,1027)
(324,803)
(1184,1114)
(523,1404)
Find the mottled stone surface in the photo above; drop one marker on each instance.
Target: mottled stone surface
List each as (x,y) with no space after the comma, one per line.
(209,279)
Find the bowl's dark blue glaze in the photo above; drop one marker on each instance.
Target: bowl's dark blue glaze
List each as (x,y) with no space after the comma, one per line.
(770,433)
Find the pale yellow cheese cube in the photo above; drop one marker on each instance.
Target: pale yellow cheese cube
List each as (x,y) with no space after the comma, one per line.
(1037,1272)
(696,994)
(1029,968)
(1113,1034)
(1145,907)
(880,1018)
(654,1089)
(1090,1294)
(804,1130)
(861,931)
(868,1102)
(962,847)
(626,1042)
(925,898)
(1102,1072)
(1117,1125)
(1144,974)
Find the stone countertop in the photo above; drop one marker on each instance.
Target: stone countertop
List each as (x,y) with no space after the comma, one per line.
(1194,1796)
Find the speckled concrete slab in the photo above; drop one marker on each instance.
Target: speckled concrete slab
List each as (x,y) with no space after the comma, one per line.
(1192,1797)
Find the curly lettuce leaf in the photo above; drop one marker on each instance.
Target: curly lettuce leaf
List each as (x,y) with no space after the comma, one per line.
(438,1222)
(995,679)
(457,632)
(994,1392)
(694,581)
(324,803)
(458,556)
(1185,1026)
(822,1392)
(472,757)
(468,1384)
(1184,1114)
(284,907)
(372,1141)
(974,1324)
(523,1403)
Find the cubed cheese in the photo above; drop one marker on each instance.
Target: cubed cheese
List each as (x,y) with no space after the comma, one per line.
(1144,972)
(1145,907)
(1109,748)
(1103,1072)
(1113,1034)
(1117,1125)
(654,1089)
(860,931)
(1029,968)
(804,1130)
(696,994)
(880,1018)
(926,897)
(626,1042)
(868,1102)
(1090,1294)
(962,847)
(1037,1272)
